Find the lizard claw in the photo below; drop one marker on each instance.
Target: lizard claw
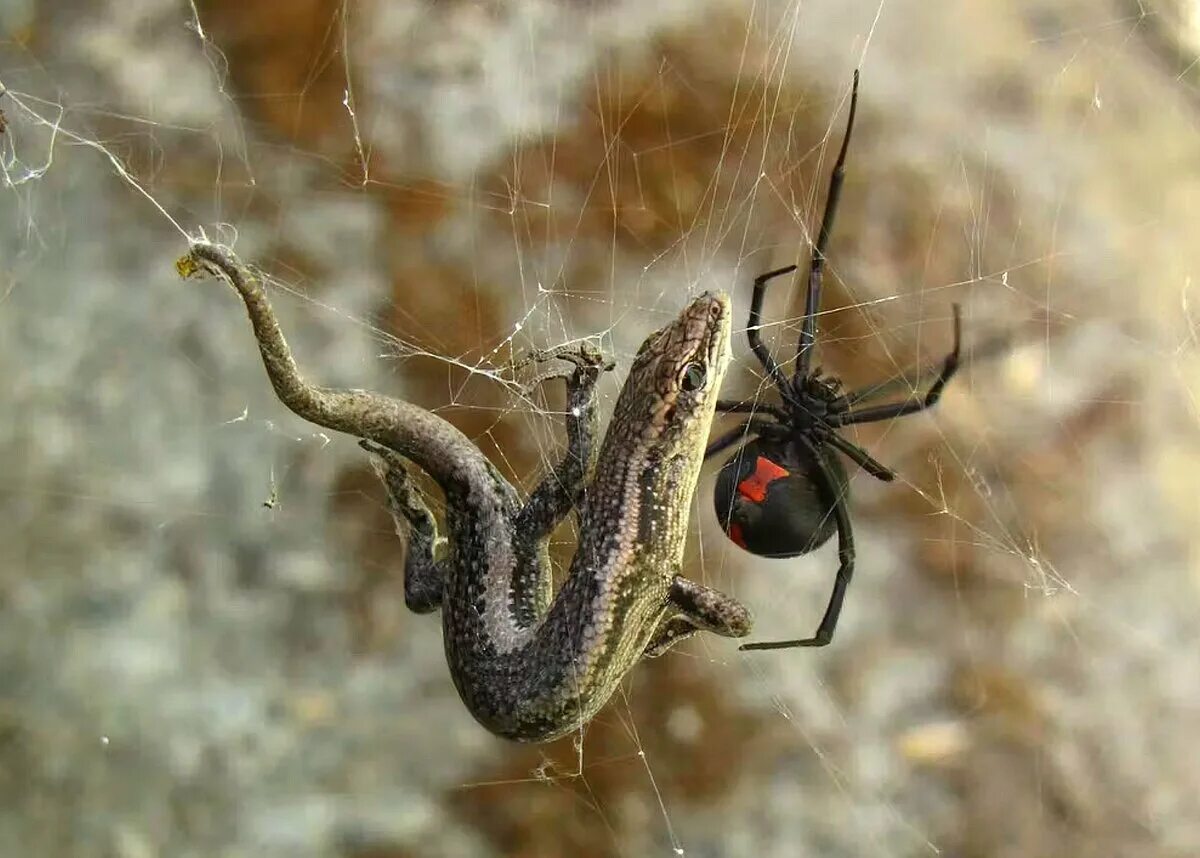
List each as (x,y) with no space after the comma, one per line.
(587,359)
(584,355)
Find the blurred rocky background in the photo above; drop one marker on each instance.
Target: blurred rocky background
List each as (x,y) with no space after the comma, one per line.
(203,646)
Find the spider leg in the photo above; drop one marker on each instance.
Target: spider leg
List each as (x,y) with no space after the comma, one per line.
(724,442)
(911,406)
(732,406)
(743,432)
(753,326)
(812,302)
(845,571)
(860,457)
(984,350)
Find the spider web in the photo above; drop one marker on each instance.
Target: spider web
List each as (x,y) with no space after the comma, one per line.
(205,645)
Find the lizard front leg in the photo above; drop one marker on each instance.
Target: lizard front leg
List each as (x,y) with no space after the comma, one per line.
(695,608)
(558,492)
(424,572)
(560,488)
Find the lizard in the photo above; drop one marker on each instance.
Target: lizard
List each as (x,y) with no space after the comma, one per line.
(531,665)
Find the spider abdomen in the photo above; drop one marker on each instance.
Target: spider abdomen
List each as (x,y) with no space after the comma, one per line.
(771,503)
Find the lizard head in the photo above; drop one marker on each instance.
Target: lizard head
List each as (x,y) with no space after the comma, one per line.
(655,443)
(676,375)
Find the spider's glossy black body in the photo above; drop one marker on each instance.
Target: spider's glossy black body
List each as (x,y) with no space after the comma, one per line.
(784,491)
(770,504)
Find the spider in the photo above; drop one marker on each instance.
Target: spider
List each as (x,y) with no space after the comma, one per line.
(784,492)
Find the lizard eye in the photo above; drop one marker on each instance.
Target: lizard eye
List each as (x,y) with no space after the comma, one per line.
(693,377)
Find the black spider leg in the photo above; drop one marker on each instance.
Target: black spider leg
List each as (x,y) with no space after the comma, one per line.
(845,571)
(909,379)
(812,302)
(910,406)
(744,432)
(754,326)
(860,457)
(816,267)
(758,412)
(732,406)
(845,415)
(760,426)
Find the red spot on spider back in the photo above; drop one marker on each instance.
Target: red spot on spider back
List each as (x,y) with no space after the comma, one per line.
(754,487)
(735,533)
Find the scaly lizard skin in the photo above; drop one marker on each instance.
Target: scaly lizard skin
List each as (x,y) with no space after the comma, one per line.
(531,665)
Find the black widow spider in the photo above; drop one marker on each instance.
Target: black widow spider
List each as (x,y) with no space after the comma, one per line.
(784,493)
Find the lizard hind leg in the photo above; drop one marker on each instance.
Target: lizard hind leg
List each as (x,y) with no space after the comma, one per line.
(424,576)
(696,608)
